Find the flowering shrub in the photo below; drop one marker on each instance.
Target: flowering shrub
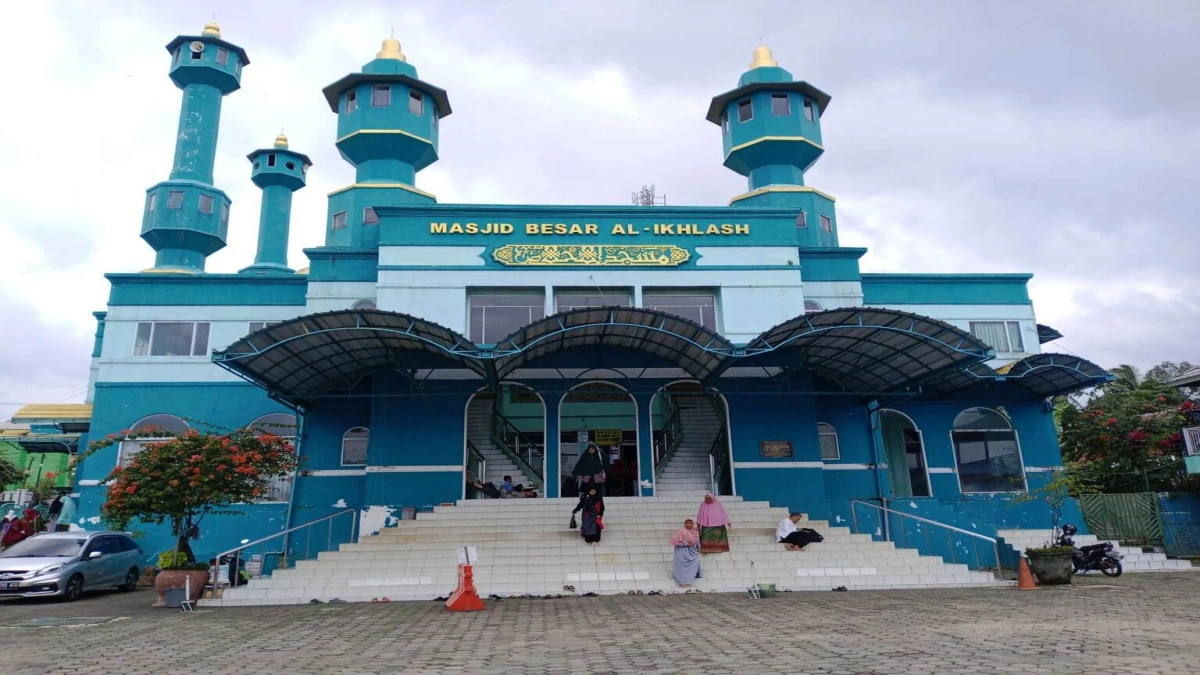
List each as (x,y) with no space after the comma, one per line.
(187,476)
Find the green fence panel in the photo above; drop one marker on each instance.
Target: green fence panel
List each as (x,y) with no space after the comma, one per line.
(1132,517)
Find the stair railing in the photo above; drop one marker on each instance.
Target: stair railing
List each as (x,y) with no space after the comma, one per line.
(525,455)
(718,461)
(668,438)
(238,553)
(885,532)
(476,463)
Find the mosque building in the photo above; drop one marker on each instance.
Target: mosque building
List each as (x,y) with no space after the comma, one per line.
(737,349)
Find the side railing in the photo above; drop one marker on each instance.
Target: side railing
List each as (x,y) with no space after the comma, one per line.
(923,532)
(667,439)
(718,464)
(476,463)
(312,540)
(516,445)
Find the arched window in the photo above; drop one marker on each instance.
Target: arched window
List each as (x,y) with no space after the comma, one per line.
(284,426)
(827,435)
(363,304)
(132,446)
(354,446)
(987,452)
(811,306)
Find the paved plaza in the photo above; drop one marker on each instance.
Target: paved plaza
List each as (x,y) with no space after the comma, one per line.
(1146,623)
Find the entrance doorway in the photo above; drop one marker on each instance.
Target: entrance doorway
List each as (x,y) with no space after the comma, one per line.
(691,440)
(505,436)
(905,451)
(603,414)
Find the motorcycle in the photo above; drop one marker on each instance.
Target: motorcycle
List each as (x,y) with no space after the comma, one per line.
(1103,556)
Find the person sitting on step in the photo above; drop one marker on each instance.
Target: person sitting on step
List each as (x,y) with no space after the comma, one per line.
(792,538)
(507,489)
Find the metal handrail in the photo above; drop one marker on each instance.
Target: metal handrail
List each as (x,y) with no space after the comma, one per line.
(671,433)
(307,540)
(474,454)
(498,436)
(718,461)
(950,538)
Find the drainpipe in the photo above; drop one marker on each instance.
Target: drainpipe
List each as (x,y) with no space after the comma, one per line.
(879,458)
(287,520)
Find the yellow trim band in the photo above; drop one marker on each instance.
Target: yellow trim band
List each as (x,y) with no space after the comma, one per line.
(395,186)
(384,131)
(780,188)
(795,139)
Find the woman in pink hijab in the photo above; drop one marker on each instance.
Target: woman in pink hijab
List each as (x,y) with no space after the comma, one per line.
(686,567)
(714,526)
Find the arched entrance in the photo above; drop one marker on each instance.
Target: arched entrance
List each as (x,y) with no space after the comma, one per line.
(691,440)
(604,414)
(905,451)
(504,435)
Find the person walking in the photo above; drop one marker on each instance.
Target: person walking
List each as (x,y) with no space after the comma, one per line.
(589,470)
(686,566)
(592,506)
(714,526)
(55,513)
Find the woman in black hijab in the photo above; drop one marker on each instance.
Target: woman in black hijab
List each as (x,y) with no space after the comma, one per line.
(589,470)
(592,505)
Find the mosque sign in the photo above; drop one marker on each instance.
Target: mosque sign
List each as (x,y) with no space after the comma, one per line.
(544,255)
(775,449)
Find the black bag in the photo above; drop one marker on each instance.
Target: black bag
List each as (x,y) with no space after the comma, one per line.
(573,524)
(810,536)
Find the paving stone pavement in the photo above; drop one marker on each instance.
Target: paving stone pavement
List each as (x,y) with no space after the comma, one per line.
(1134,624)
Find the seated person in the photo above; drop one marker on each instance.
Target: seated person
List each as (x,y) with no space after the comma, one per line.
(795,539)
(507,488)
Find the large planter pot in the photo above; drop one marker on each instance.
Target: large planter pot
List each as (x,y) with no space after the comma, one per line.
(1051,569)
(168,579)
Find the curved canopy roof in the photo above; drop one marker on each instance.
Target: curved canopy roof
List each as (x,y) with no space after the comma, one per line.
(1046,375)
(303,358)
(690,346)
(869,350)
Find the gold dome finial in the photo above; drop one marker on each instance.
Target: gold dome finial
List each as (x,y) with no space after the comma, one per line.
(211,29)
(391,50)
(281,141)
(763,58)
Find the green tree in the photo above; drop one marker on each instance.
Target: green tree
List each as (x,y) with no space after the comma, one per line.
(10,474)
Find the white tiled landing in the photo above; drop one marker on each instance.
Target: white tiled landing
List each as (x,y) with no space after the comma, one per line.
(525,547)
(1134,559)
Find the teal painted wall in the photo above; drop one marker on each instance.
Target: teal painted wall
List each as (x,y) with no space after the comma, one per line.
(831,264)
(946,289)
(208,289)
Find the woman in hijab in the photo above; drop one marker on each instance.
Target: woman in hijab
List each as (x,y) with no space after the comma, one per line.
(592,505)
(686,567)
(589,470)
(714,526)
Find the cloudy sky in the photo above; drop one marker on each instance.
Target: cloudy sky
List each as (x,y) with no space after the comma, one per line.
(1054,138)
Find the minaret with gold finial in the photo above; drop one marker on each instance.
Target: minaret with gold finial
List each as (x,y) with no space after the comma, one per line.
(186,217)
(771,133)
(388,123)
(279,171)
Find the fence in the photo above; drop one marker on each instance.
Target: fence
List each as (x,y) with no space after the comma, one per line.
(1180,513)
(1132,517)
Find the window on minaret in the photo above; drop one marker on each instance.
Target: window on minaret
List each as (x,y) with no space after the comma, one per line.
(745,110)
(780,105)
(802,220)
(206,203)
(152,202)
(195,55)
(725,122)
(271,159)
(416,103)
(351,101)
(222,56)
(381,95)
(826,224)
(370,217)
(178,53)
(339,220)
(224,212)
(808,110)
(175,199)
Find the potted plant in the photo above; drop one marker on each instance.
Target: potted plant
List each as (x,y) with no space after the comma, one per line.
(1052,564)
(186,477)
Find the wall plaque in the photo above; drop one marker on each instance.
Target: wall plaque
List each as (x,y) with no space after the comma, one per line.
(775,449)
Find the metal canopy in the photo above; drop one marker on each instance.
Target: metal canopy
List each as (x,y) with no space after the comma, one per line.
(1047,334)
(1046,375)
(690,346)
(301,359)
(869,350)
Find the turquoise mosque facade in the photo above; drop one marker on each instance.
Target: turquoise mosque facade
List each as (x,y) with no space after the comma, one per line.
(426,340)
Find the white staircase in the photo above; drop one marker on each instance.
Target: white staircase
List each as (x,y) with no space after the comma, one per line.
(525,547)
(1133,560)
(688,470)
(479,432)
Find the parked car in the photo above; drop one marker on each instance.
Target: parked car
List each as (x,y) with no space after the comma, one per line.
(66,564)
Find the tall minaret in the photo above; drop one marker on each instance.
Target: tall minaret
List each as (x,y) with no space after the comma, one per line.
(771,132)
(186,217)
(388,129)
(279,172)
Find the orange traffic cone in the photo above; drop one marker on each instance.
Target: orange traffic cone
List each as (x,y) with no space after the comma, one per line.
(465,599)
(1024,578)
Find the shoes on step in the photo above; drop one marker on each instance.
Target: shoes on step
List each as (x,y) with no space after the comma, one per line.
(841,589)
(337,601)
(439,599)
(314,601)
(590,595)
(569,589)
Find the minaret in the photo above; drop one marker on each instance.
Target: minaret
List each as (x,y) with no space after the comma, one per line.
(186,217)
(279,172)
(388,129)
(771,132)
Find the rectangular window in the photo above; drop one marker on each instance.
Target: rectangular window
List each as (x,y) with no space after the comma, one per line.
(206,203)
(271,159)
(175,199)
(780,105)
(416,103)
(339,220)
(171,338)
(826,224)
(224,212)
(725,122)
(802,220)
(494,317)
(745,110)
(1003,336)
(222,56)
(351,101)
(701,309)
(370,217)
(195,56)
(827,436)
(569,301)
(152,201)
(808,111)
(259,325)
(381,96)
(178,52)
